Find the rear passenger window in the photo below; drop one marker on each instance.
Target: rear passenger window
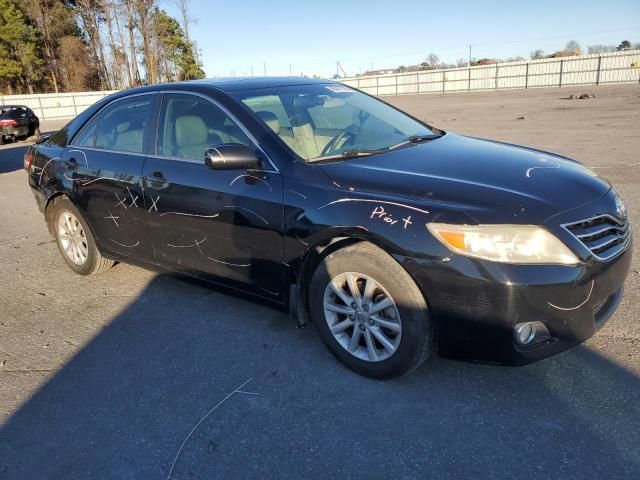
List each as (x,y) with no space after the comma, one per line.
(189,125)
(123,123)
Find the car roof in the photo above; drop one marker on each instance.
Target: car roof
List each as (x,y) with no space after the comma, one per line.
(236,84)
(13,106)
(227,85)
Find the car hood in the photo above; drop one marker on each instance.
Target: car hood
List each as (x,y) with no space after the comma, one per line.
(491,181)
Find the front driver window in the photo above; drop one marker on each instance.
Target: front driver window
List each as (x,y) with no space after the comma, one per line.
(189,125)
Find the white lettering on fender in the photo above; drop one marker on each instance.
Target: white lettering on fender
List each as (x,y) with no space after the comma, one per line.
(380,213)
(377,212)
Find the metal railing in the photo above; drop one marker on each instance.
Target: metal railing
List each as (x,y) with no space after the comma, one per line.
(607,68)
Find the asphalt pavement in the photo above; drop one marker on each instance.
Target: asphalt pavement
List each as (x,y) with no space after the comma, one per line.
(139,375)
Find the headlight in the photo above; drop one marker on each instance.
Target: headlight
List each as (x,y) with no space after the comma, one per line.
(504,243)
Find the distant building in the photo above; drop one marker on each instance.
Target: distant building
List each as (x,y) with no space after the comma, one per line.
(562,53)
(484,61)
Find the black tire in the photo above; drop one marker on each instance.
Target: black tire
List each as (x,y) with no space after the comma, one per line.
(417,332)
(95,262)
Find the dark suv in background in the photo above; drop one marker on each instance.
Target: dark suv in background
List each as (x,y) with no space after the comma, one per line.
(17,122)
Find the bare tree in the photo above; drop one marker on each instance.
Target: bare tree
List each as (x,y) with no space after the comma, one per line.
(183,6)
(433,60)
(537,54)
(116,56)
(144,10)
(118,11)
(90,14)
(591,49)
(572,46)
(75,72)
(131,26)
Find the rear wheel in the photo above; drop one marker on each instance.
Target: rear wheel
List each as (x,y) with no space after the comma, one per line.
(369,312)
(75,241)
(34,131)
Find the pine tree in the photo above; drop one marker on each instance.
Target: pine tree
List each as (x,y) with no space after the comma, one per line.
(20,64)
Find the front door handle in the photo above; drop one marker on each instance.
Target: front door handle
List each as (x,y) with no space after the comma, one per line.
(156,177)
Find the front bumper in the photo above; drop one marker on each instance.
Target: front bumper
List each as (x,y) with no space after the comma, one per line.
(476,304)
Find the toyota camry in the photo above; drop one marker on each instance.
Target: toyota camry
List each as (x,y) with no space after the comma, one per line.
(396,239)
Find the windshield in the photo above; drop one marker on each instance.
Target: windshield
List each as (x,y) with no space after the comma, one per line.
(321,122)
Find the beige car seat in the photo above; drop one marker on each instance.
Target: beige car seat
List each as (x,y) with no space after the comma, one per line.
(273,123)
(191,137)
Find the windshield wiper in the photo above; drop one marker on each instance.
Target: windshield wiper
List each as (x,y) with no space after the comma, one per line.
(415,139)
(354,153)
(366,152)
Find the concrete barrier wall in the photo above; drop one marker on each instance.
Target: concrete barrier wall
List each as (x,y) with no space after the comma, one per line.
(608,68)
(51,106)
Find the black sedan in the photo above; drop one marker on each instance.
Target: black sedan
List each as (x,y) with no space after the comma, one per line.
(17,121)
(395,238)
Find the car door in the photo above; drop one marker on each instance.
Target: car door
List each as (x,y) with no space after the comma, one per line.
(220,224)
(104,170)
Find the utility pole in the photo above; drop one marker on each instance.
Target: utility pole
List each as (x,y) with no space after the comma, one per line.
(252,70)
(469,61)
(290,70)
(265,68)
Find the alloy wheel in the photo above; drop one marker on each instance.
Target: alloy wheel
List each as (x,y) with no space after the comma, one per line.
(362,316)
(73,238)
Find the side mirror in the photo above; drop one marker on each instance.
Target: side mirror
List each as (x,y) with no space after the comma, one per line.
(231,156)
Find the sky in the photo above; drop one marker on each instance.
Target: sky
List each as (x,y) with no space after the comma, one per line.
(307,37)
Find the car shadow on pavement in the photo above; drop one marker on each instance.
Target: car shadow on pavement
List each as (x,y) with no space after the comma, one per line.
(12,154)
(126,402)
(12,157)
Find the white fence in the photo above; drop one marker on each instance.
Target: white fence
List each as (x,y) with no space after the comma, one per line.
(49,106)
(608,68)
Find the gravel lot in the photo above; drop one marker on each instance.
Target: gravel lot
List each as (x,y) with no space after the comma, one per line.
(106,377)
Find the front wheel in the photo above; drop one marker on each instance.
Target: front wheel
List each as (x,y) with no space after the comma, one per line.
(75,241)
(369,312)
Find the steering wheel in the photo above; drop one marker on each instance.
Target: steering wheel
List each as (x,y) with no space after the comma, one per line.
(343,138)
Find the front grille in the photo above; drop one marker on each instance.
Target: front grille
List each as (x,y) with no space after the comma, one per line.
(604,235)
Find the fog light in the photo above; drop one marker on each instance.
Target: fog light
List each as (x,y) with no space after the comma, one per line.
(528,333)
